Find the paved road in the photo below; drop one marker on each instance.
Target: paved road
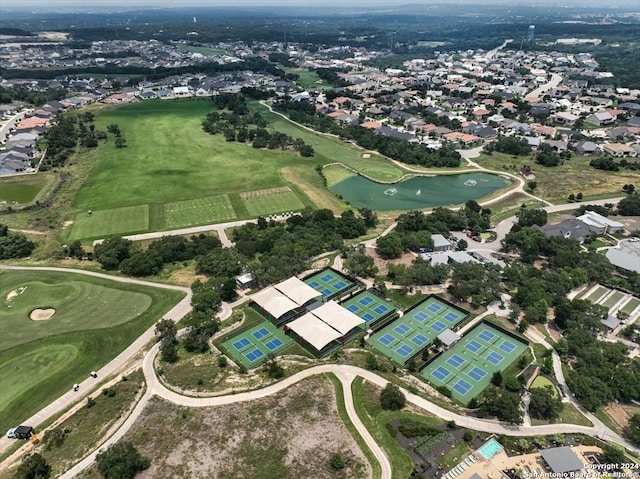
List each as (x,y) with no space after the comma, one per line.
(346,374)
(11,122)
(69,398)
(220,228)
(555,80)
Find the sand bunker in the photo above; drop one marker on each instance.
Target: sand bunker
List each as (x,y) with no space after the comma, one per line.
(16,292)
(42,314)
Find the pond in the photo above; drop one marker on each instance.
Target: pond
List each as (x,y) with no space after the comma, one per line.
(418,192)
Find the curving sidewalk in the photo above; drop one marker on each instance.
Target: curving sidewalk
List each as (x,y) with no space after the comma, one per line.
(346,375)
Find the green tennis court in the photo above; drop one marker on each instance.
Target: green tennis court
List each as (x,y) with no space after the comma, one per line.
(329,283)
(467,368)
(369,307)
(252,347)
(407,336)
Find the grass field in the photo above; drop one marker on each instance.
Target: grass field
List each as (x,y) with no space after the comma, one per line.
(632,304)
(541,382)
(271,201)
(307,78)
(574,176)
(22,189)
(95,319)
(210,209)
(129,219)
(203,50)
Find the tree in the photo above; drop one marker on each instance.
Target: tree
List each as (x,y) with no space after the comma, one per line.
(169,350)
(612,455)
(462,244)
(33,466)
(530,217)
(391,398)
(545,403)
(633,429)
(468,436)
(496,379)
(15,245)
(307,151)
(112,251)
(512,383)
(165,328)
(121,461)
(144,263)
(629,206)
(120,142)
(390,246)
(336,462)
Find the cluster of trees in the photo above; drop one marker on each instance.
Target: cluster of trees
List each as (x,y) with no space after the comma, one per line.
(398,149)
(606,163)
(61,141)
(419,273)
(14,245)
(547,156)
(114,129)
(36,98)
(476,283)
(121,461)
(391,398)
(301,237)
(545,403)
(509,145)
(232,118)
(499,402)
(629,206)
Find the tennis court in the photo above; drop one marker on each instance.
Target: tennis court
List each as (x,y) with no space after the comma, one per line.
(329,283)
(467,368)
(251,347)
(409,335)
(369,307)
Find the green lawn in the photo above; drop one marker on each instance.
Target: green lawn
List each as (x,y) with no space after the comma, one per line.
(210,209)
(203,50)
(336,174)
(95,319)
(23,189)
(632,304)
(307,78)
(329,149)
(275,200)
(100,224)
(541,382)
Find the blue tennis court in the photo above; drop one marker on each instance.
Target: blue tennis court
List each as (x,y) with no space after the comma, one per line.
(243,343)
(314,284)
(339,285)
(381,309)
(401,328)
(495,358)
(365,301)
(326,278)
(353,308)
(473,346)
(477,373)
(455,361)
(260,333)
(404,350)
(419,340)
(434,308)
(253,355)
(421,316)
(368,317)
(451,317)
(440,373)
(462,386)
(387,339)
(486,335)
(507,346)
(325,292)
(438,326)
(251,347)
(273,344)
(329,283)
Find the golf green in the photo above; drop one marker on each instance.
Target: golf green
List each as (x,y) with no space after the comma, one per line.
(94,320)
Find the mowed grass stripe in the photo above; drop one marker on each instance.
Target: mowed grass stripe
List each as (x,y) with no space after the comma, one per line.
(100,224)
(273,203)
(200,211)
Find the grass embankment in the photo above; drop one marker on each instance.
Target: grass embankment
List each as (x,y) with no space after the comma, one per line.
(575,176)
(88,426)
(95,320)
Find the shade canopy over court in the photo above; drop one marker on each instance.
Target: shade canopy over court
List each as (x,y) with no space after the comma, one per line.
(273,302)
(339,318)
(314,331)
(296,290)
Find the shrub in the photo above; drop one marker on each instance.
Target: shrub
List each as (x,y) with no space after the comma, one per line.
(222,361)
(468,436)
(121,461)
(410,428)
(109,392)
(336,462)
(391,398)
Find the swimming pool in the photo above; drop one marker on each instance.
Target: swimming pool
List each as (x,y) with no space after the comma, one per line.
(490,449)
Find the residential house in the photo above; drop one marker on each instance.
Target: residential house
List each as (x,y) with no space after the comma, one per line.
(600,118)
(619,150)
(569,229)
(564,118)
(600,224)
(586,148)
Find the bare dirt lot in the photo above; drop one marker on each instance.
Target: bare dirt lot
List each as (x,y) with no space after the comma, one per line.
(289,435)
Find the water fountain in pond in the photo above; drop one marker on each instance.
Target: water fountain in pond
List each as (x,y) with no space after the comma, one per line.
(391,191)
(470,182)
(419,192)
